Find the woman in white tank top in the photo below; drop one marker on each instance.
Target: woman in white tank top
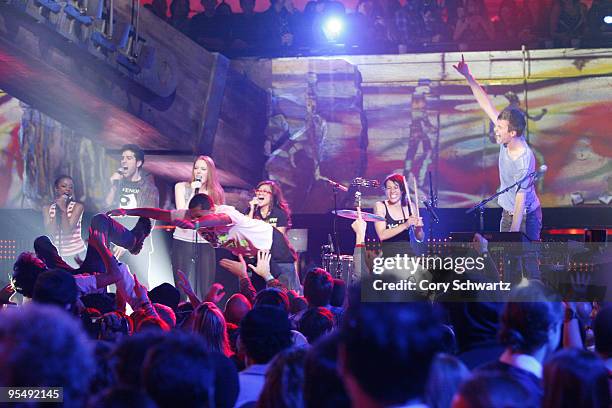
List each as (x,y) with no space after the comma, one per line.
(63,220)
(190,253)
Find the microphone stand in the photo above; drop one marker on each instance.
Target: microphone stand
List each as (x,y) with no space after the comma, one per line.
(431,208)
(480,206)
(334,226)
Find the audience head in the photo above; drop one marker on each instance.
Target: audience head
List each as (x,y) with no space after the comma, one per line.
(209,323)
(602,328)
(298,304)
(41,346)
(272,297)
(103,302)
(25,271)
(151,323)
(121,397)
(247,6)
(531,321)
(284,380)
(226,380)
(130,354)
(115,325)
(179,9)
(236,308)
(338,293)
(445,375)
(103,377)
(323,387)
(177,372)
(316,322)
(386,348)
(165,294)
(166,314)
(486,389)
(184,315)
(223,9)
(318,287)
(56,287)
(264,332)
(575,378)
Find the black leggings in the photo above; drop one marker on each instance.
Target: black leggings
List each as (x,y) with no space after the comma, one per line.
(185,255)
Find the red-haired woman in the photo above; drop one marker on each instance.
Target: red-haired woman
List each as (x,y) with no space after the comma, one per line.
(187,247)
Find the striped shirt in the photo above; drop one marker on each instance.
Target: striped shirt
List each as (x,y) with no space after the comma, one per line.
(71,243)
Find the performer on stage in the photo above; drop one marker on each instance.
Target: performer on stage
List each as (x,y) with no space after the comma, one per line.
(521,209)
(191,253)
(270,206)
(234,230)
(400,219)
(132,188)
(63,220)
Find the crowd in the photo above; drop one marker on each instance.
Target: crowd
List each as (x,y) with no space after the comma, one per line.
(276,348)
(387,26)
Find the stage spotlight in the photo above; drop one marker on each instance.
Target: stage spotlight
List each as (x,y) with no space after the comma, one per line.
(332,28)
(607,19)
(605,198)
(577,199)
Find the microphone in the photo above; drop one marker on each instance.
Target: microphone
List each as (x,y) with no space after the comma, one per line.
(199,180)
(335,184)
(432,212)
(68,198)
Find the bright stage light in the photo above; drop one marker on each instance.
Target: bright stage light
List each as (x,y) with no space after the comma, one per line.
(332,28)
(607,19)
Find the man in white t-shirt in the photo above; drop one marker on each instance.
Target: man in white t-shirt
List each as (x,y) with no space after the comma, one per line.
(222,225)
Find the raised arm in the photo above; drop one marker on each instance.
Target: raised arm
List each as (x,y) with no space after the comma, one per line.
(479,93)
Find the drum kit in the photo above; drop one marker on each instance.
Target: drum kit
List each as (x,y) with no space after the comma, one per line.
(342,266)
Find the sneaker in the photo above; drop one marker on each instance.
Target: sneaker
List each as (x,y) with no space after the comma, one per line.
(141,231)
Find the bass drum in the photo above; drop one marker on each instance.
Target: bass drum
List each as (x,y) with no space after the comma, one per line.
(340,267)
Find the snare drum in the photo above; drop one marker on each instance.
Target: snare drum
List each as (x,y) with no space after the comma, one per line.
(340,267)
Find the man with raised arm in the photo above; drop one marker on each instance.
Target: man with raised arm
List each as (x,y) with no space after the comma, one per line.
(521,206)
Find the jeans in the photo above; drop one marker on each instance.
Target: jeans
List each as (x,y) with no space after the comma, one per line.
(531,225)
(287,275)
(109,228)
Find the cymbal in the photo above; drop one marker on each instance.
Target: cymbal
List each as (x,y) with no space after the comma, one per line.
(353,215)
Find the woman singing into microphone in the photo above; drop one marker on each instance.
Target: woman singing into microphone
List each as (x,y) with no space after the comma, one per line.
(63,221)
(270,206)
(188,247)
(399,219)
